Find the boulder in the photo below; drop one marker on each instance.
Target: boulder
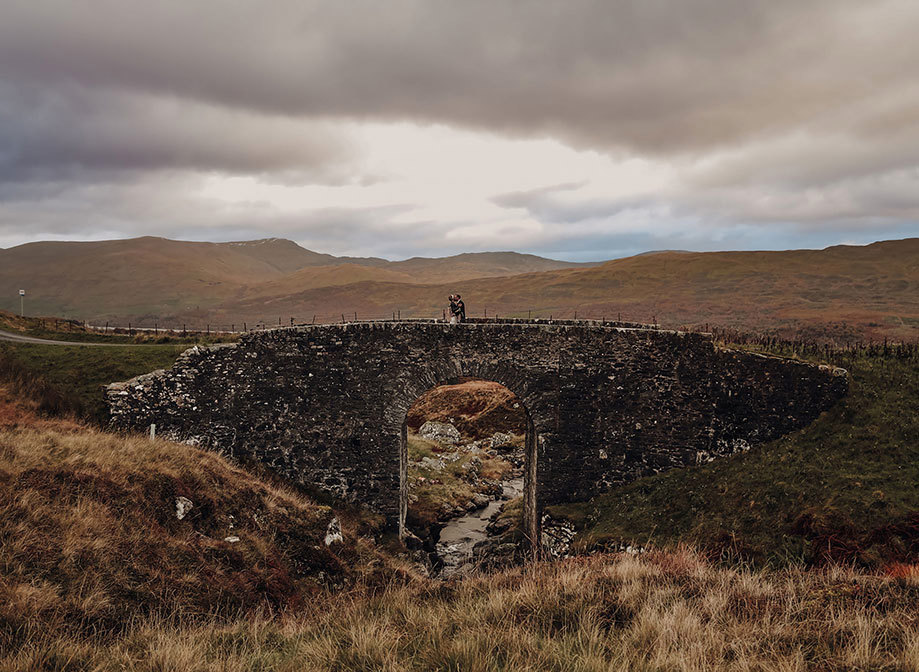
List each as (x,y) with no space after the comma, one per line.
(480,501)
(183,506)
(431,463)
(441,432)
(333,533)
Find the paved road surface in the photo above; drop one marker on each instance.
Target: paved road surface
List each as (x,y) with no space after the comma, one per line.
(19,338)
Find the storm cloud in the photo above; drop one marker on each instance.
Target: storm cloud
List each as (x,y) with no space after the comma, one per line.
(702,123)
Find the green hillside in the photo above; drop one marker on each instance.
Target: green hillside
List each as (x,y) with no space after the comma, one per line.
(843,489)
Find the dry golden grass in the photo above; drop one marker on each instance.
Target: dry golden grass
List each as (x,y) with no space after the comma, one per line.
(89,537)
(662,611)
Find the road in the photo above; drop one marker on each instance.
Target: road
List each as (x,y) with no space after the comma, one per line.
(19,338)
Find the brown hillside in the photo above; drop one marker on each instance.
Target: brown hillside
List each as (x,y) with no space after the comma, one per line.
(148,279)
(128,277)
(476,265)
(841,293)
(477,408)
(323,276)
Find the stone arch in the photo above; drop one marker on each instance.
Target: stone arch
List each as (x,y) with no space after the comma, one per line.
(449,372)
(324,405)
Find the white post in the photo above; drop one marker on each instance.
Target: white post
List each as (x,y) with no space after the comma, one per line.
(152,431)
(22,294)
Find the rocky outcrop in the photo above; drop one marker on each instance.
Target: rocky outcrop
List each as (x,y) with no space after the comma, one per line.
(441,432)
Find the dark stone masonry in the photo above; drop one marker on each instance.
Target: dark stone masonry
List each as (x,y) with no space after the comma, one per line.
(325,405)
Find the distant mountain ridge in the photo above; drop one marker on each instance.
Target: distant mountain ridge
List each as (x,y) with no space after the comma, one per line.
(150,276)
(842,293)
(839,293)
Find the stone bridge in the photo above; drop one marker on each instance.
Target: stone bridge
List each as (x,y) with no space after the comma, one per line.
(325,405)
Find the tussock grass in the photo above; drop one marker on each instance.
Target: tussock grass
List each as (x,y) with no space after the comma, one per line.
(661,611)
(90,539)
(23,383)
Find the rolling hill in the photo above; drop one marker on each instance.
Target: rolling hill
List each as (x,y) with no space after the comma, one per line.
(839,293)
(148,278)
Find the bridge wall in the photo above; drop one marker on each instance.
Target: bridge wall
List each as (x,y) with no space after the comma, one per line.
(325,405)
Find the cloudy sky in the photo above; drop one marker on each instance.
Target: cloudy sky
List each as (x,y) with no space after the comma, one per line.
(578,130)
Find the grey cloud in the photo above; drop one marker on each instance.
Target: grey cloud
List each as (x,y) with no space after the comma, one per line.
(781,117)
(741,217)
(651,76)
(529,197)
(65,210)
(544,205)
(76,133)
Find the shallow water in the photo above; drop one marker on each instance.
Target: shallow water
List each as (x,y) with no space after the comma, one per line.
(460,534)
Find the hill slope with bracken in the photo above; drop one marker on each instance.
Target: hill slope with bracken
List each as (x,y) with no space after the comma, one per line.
(842,292)
(100,529)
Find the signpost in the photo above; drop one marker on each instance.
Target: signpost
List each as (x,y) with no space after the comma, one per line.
(22,294)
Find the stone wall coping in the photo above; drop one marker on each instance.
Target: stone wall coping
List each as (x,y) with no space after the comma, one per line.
(835,370)
(480,322)
(549,325)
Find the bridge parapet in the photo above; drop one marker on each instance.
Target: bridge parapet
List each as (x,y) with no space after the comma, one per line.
(480,320)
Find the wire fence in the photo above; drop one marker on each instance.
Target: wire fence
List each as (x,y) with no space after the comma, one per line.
(827,350)
(795,346)
(172,325)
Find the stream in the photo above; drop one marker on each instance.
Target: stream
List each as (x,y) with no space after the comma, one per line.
(460,535)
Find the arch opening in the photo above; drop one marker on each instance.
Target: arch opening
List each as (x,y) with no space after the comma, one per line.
(468,473)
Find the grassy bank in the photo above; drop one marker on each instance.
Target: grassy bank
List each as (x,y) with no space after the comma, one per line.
(97,571)
(92,537)
(68,380)
(56,329)
(842,489)
(664,611)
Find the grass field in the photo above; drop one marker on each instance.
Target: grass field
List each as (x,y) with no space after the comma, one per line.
(843,489)
(663,611)
(69,379)
(54,329)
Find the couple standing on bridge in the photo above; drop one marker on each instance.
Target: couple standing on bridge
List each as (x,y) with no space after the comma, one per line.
(457,309)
